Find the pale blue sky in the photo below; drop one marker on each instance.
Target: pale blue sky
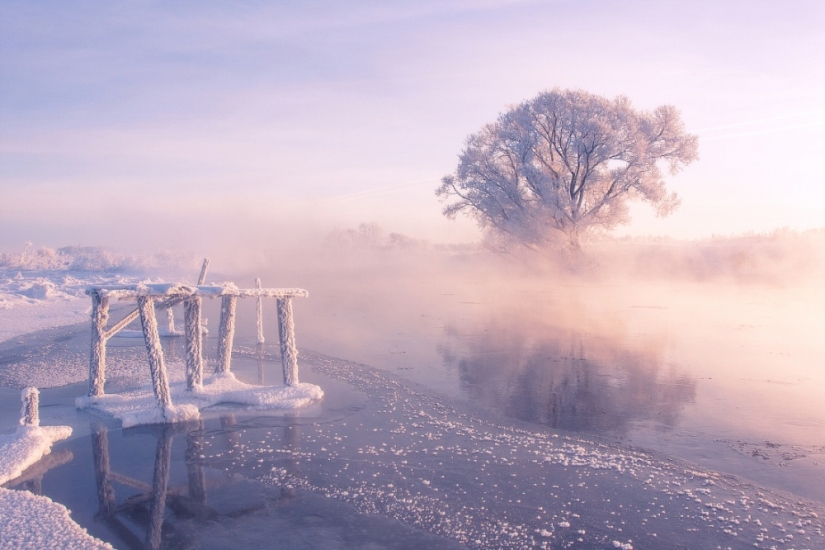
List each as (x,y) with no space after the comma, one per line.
(329,113)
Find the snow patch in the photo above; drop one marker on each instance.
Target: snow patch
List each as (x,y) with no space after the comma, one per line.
(34,522)
(140,406)
(25,446)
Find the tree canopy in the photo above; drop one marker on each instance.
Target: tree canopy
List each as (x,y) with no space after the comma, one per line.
(567,162)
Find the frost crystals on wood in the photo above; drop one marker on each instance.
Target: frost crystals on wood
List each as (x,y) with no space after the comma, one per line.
(259,309)
(30,414)
(168,295)
(286,331)
(194,343)
(97,358)
(226,335)
(146,307)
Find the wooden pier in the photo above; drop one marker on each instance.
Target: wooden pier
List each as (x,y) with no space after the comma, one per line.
(150,297)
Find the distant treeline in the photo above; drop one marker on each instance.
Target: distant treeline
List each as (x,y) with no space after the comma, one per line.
(782,255)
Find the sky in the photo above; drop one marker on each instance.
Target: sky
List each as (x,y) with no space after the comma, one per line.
(150,124)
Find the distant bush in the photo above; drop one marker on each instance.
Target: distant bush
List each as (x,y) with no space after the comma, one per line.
(371,236)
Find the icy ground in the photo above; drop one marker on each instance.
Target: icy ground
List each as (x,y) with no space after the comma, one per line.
(60,356)
(488,484)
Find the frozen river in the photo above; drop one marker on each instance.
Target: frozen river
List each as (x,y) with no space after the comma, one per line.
(567,416)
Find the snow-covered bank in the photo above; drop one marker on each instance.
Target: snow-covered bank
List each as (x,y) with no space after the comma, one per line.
(32,301)
(38,523)
(27,520)
(45,288)
(33,522)
(27,445)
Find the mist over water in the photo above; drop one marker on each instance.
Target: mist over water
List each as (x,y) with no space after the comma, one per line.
(639,391)
(706,350)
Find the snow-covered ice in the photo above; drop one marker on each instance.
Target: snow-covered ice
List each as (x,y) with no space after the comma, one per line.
(29,521)
(32,522)
(25,446)
(422,463)
(140,406)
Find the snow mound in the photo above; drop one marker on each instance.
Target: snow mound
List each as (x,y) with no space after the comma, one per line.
(24,447)
(140,406)
(29,521)
(47,299)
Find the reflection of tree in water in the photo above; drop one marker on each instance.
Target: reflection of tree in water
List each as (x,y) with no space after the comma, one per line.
(567,380)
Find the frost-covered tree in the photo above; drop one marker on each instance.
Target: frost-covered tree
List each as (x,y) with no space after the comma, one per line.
(564,163)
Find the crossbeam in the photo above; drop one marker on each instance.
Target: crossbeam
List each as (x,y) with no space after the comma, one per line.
(181,292)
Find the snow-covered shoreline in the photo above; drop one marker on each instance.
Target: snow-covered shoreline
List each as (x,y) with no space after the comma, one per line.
(35,522)
(28,520)
(31,301)
(46,288)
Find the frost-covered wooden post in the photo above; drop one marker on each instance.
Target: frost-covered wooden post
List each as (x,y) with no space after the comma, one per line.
(259,309)
(97,357)
(194,335)
(259,352)
(226,334)
(194,342)
(170,319)
(204,267)
(160,384)
(30,414)
(286,334)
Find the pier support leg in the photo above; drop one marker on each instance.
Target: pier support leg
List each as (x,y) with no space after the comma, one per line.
(259,309)
(194,343)
(202,276)
(259,352)
(226,334)
(97,357)
(286,333)
(160,383)
(170,319)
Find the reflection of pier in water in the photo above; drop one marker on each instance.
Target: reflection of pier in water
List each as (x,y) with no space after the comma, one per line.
(567,379)
(155,510)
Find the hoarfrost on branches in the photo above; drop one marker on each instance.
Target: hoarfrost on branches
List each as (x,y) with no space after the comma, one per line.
(566,162)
